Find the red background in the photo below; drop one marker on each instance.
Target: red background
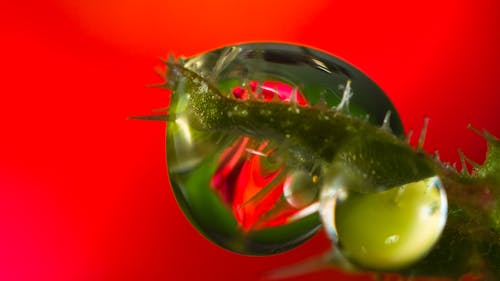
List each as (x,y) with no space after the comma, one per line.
(84,193)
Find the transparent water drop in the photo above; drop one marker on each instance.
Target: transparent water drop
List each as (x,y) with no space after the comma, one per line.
(385,230)
(301,189)
(242,193)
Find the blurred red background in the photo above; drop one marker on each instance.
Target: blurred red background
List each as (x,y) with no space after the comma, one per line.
(84,193)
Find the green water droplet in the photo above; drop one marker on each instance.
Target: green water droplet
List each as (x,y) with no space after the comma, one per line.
(390,229)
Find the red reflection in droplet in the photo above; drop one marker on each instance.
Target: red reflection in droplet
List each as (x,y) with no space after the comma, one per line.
(252,190)
(268,90)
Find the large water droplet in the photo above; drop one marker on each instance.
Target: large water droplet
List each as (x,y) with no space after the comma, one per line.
(246,194)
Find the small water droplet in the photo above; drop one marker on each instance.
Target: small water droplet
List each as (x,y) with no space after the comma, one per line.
(300,189)
(388,229)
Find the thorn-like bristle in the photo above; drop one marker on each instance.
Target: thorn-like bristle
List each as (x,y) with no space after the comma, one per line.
(464,159)
(436,156)
(162,117)
(346,97)
(294,96)
(163,109)
(408,136)
(276,97)
(472,163)
(174,73)
(484,134)
(386,124)
(423,133)
(463,164)
(258,90)
(171,59)
(255,152)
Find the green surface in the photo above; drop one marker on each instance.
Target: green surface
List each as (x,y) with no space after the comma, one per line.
(391,229)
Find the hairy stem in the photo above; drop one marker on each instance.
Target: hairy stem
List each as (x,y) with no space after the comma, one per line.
(471,239)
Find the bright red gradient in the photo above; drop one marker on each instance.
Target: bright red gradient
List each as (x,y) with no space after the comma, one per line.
(84,193)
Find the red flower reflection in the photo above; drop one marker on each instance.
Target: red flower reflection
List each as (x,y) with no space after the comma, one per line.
(250,187)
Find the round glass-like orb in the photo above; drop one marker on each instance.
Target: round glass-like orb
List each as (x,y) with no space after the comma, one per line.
(386,230)
(243,192)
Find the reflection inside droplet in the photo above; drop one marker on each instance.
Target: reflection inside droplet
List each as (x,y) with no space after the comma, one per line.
(246,194)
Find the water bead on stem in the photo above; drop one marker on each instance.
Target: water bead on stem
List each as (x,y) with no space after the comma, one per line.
(228,162)
(383,230)
(258,133)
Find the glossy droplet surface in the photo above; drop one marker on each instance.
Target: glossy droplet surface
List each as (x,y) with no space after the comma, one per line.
(243,193)
(390,229)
